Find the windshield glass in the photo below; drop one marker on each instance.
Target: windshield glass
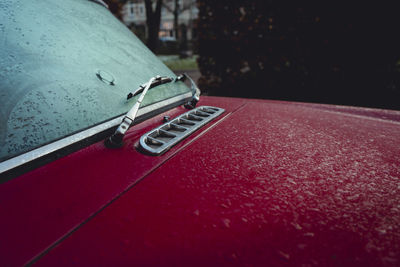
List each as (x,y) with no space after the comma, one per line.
(66,66)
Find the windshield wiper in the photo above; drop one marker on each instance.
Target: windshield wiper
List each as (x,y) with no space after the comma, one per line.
(195,90)
(115,140)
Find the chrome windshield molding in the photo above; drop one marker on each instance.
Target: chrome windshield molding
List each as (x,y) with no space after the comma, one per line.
(191,104)
(72,139)
(162,138)
(100,2)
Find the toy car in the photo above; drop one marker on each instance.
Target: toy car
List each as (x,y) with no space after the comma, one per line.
(108,158)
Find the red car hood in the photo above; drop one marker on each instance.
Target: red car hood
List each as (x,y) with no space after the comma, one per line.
(267,183)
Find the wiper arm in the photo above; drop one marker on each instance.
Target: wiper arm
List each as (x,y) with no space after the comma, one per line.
(195,91)
(115,140)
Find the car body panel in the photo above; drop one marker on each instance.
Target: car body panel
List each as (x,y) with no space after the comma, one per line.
(43,205)
(267,183)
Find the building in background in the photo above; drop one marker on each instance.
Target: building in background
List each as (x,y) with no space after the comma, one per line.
(134,16)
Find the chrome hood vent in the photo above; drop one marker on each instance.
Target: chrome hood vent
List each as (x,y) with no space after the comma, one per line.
(169,134)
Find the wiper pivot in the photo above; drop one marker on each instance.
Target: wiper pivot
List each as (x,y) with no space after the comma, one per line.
(115,140)
(191,104)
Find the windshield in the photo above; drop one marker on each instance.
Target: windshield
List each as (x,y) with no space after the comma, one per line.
(66,66)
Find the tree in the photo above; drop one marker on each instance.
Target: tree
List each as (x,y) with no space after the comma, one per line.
(153,19)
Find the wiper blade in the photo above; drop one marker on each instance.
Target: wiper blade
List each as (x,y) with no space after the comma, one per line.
(115,140)
(158,81)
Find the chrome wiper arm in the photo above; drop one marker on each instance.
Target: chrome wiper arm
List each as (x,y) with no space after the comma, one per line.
(115,140)
(195,90)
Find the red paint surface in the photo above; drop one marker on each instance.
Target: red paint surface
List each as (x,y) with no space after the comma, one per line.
(272,183)
(40,207)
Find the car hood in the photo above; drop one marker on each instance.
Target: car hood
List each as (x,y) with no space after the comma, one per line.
(267,182)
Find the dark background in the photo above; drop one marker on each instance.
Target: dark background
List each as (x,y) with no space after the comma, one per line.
(314,51)
(337,52)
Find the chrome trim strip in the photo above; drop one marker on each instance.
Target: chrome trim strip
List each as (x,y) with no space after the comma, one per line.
(69,140)
(157,141)
(100,2)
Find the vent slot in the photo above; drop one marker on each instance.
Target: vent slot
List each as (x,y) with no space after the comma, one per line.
(153,142)
(185,122)
(169,134)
